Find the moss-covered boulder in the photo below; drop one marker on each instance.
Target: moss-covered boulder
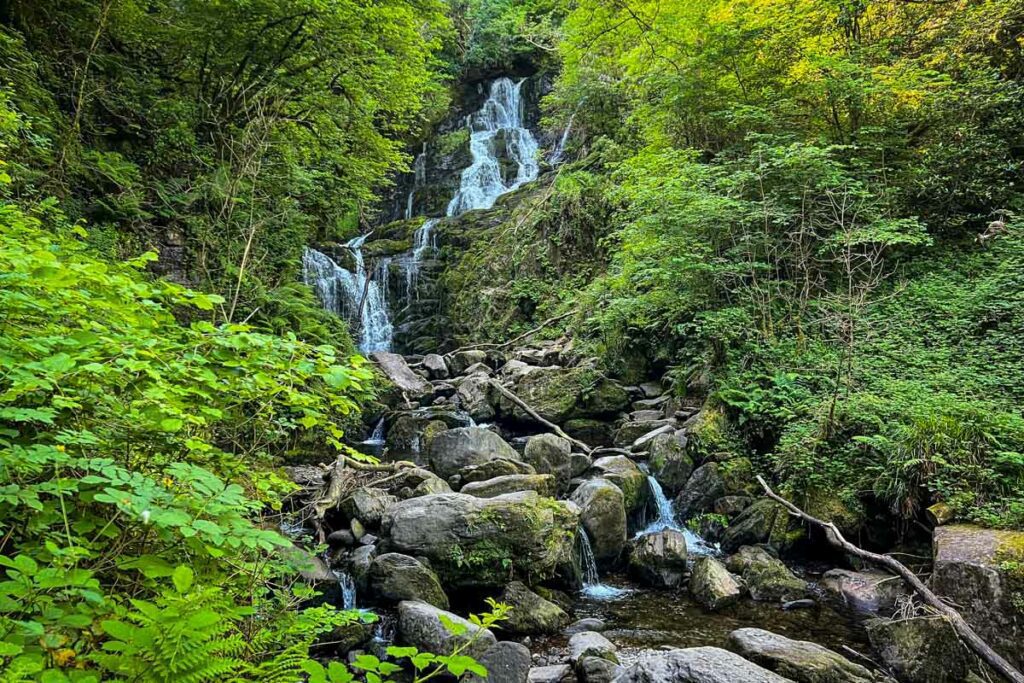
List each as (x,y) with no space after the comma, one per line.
(797,660)
(765,521)
(700,492)
(454,449)
(394,577)
(603,515)
(531,614)
(920,650)
(712,585)
(560,394)
(669,462)
(624,473)
(766,577)
(474,541)
(543,484)
(550,454)
(659,559)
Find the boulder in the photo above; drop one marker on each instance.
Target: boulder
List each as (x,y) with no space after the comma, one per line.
(669,462)
(623,472)
(579,463)
(368,505)
(530,614)
(920,650)
(359,563)
(730,506)
(394,367)
(499,467)
(550,454)
(394,577)
(702,489)
(798,660)
(597,670)
(630,432)
(560,394)
(416,481)
(869,591)
(592,432)
(603,516)
(756,524)
(484,541)
(556,673)
(454,449)
(506,662)
(591,644)
(474,396)
(479,369)
(460,360)
(696,665)
(435,366)
(979,571)
(651,389)
(587,624)
(712,585)
(659,559)
(646,415)
(544,484)
(420,625)
(765,576)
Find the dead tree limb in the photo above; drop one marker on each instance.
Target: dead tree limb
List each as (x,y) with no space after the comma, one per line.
(521,337)
(960,625)
(533,413)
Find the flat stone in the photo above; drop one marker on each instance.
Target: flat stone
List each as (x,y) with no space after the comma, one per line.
(591,644)
(401,375)
(543,484)
(868,592)
(556,673)
(696,665)
(799,660)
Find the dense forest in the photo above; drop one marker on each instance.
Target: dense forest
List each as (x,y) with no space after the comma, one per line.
(637,251)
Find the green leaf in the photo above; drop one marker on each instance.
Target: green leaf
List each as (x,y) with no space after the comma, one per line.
(182,578)
(171,424)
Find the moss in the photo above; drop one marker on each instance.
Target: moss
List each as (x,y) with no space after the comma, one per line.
(443,145)
(386,247)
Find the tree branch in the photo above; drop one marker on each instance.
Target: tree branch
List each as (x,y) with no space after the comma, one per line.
(533,413)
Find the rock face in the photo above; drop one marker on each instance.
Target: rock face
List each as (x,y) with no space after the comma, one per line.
(550,454)
(531,614)
(704,486)
(870,592)
(603,515)
(505,662)
(669,462)
(659,559)
(712,585)
(798,660)
(397,371)
(484,541)
(560,394)
(368,505)
(972,568)
(920,650)
(696,665)
(395,577)
(543,484)
(755,524)
(766,577)
(624,473)
(454,449)
(419,625)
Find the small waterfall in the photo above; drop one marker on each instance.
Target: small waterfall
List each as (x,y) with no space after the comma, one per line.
(348,589)
(666,519)
(592,586)
(377,437)
(558,155)
(423,241)
(419,169)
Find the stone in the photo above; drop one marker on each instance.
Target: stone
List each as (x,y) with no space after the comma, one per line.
(479,369)
(644,441)
(397,371)
(556,673)
(659,559)
(702,489)
(629,432)
(591,432)
(651,389)
(560,394)
(394,577)
(579,463)
(368,505)
(416,481)
(669,463)
(359,563)
(543,484)
(340,538)
(869,591)
(798,660)
(975,569)
(597,670)
(756,524)
(454,449)
(506,662)
(435,366)
(765,576)
(499,467)
(419,625)
(623,472)
(649,415)
(485,541)
(531,614)
(603,516)
(474,397)
(591,644)
(712,585)
(550,454)
(696,665)
(920,650)
(357,528)
(460,360)
(730,506)
(587,624)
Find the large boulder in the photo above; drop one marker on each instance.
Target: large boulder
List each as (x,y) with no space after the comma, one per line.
(765,576)
(394,577)
(869,591)
(454,449)
(659,559)
(506,662)
(550,454)
(460,360)
(703,487)
(484,541)
(696,665)
(420,625)
(591,644)
(799,660)
(368,505)
(415,481)
(669,462)
(474,396)
(712,585)
(560,394)
(624,473)
(544,484)
(435,366)
(597,670)
(759,523)
(603,515)
(530,613)
(394,367)
(592,432)
(979,571)
(920,650)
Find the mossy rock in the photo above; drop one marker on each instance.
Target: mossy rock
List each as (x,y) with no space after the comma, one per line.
(378,248)
(561,394)
(710,434)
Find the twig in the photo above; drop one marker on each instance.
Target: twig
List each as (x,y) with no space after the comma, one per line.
(959,624)
(533,413)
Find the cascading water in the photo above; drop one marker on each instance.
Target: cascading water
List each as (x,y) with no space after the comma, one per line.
(558,155)
(419,168)
(377,437)
(348,589)
(423,241)
(666,519)
(592,586)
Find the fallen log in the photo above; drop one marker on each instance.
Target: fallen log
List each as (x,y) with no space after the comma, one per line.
(960,625)
(533,413)
(510,342)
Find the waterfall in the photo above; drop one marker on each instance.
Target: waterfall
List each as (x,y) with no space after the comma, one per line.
(377,437)
(559,154)
(348,589)
(592,586)
(423,241)
(666,519)
(419,169)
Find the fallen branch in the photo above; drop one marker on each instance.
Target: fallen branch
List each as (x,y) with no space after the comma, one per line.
(960,625)
(533,413)
(341,474)
(521,337)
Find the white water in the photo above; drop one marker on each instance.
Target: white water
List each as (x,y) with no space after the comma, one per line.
(423,242)
(377,438)
(592,586)
(666,519)
(559,154)
(348,589)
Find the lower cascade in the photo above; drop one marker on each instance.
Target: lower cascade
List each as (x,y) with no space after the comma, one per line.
(666,519)
(592,586)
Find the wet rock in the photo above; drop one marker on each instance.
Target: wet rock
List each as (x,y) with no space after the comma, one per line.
(630,432)
(798,660)
(550,454)
(579,463)
(588,624)
(702,489)
(556,673)
(623,472)
(591,644)
(869,591)
(341,537)
(712,585)
(506,662)
(659,559)
(597,670)
(394,577)
(543,484)
(591,432)
(559,394)
(484,541)
(359,563)
(531,614)
(696,665)
(730,506)
(394,367)
(368,505)
(419,625)
(454,449)
(765,576)
(474,396)
(920,650)
(435,366)
(460,360)
(756,524)
(669,462)
(644,441)
(603,516)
